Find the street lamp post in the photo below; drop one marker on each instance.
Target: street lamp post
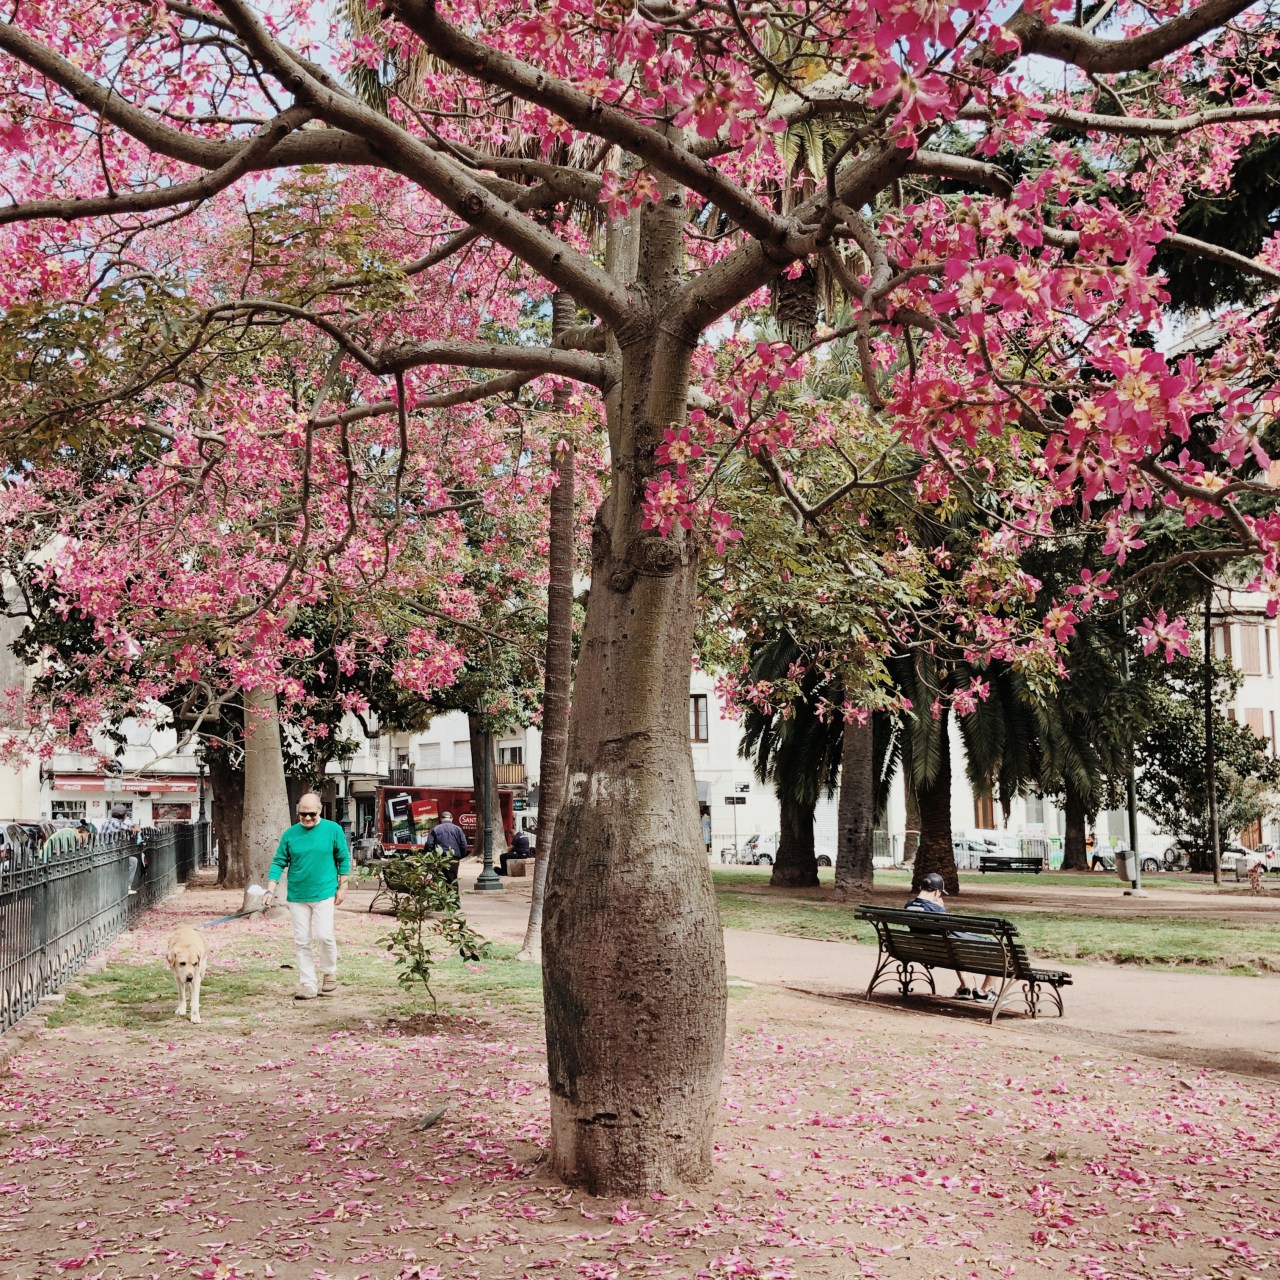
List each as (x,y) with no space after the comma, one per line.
(201,817)
(345,765)
(488,880)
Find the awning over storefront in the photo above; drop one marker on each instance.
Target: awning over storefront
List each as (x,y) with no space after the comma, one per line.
(90,782)
(704,790)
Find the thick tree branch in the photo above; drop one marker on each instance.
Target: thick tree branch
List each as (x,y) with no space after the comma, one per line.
(589,114)
(445,178)
(1066,42)
(978,173)
(1186,244)
(1140,126)
(248,159)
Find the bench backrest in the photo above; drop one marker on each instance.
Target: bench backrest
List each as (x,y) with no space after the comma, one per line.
(929,937)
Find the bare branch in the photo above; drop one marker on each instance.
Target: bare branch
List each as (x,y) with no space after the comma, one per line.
(1141,126)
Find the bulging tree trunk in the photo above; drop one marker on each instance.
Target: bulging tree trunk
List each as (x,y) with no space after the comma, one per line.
(855,872)
(266,799)
(558,680)
(1075,857)
(633,954)
(936,852)
(796,864)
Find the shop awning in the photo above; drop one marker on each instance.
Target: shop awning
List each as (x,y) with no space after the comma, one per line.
(90,782)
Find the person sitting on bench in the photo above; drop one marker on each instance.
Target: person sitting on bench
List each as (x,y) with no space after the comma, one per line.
(929,898)
(519,849)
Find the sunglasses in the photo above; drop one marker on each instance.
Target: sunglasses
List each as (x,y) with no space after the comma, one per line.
(308,813)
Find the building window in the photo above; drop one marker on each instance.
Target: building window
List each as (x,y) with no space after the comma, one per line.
(69,810)
(1250,650)
(1253,718)
(698,717)
(1222,641)
(1273,734)
(511,755)
(462,753)
(429,755)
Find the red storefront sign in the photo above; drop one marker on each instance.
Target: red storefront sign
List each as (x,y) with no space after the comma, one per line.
(187,786)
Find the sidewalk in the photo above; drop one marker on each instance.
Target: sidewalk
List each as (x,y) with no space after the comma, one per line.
(1212,1020)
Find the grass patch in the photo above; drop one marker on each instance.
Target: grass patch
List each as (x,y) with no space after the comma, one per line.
(140,995)
(1118,939)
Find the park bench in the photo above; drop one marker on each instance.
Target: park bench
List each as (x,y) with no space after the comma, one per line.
(391,883)
(1010,864)
(914,943)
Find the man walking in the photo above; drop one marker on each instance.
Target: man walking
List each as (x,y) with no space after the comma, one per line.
(315,854)
(447,836)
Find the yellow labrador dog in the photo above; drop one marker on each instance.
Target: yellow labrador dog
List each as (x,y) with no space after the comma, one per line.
(187,959)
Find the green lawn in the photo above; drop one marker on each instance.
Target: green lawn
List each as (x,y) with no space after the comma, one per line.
(746,903)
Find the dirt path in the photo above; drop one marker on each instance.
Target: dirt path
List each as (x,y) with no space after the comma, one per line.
(1212,1020)
(285,1140)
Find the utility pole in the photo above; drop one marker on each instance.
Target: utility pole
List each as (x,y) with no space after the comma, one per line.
(1210,784)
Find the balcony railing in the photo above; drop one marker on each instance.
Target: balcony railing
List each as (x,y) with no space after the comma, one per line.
(400,777)
(509,775)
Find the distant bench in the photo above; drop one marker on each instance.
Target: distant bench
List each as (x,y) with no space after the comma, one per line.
(1010,864)
(914,943)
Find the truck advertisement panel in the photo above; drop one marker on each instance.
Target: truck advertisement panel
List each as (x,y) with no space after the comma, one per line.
(406,816)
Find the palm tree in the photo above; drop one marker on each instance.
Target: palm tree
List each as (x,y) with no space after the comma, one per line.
(796,750)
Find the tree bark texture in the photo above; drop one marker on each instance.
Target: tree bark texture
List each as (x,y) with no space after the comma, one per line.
(855,815)
(266,797)
(1075,857)
(936,852)
(796,862)
(226,785)
(558,680)
(633,955)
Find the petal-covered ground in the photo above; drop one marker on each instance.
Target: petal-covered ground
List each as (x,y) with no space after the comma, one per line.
(285,1139)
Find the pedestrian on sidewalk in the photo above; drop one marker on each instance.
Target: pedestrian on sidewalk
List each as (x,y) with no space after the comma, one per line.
(449,838)
(932,887)
(314,852)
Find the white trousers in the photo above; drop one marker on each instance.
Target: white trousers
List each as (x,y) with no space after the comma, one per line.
(313,925)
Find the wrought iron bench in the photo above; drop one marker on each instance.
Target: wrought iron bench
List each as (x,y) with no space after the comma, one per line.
(914,943)
(1010,864)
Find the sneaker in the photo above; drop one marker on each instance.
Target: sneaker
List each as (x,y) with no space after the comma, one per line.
(305,993)
(965,994)
(985,997)
(328,984)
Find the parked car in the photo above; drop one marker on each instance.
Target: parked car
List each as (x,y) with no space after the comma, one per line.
(761,849)
(1266,856)
(1178,856)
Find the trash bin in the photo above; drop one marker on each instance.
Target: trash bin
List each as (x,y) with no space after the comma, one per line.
(1126,865)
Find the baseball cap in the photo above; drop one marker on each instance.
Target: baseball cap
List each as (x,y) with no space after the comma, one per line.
(934,883)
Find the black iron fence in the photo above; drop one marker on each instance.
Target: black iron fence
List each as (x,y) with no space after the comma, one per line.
(60,901)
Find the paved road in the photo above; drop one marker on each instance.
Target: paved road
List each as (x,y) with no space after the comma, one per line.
(1203,1019)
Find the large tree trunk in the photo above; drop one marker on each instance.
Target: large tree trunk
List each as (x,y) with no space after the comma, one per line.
(266,798)
(796,866)
(633,954)
(855,816)
(936,852)
(1075,857)
(475,727)
(227,810)
(558,680)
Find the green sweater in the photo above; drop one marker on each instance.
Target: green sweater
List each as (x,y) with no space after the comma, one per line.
(314,860)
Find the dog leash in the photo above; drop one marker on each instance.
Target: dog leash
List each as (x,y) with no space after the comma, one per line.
(238,915)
